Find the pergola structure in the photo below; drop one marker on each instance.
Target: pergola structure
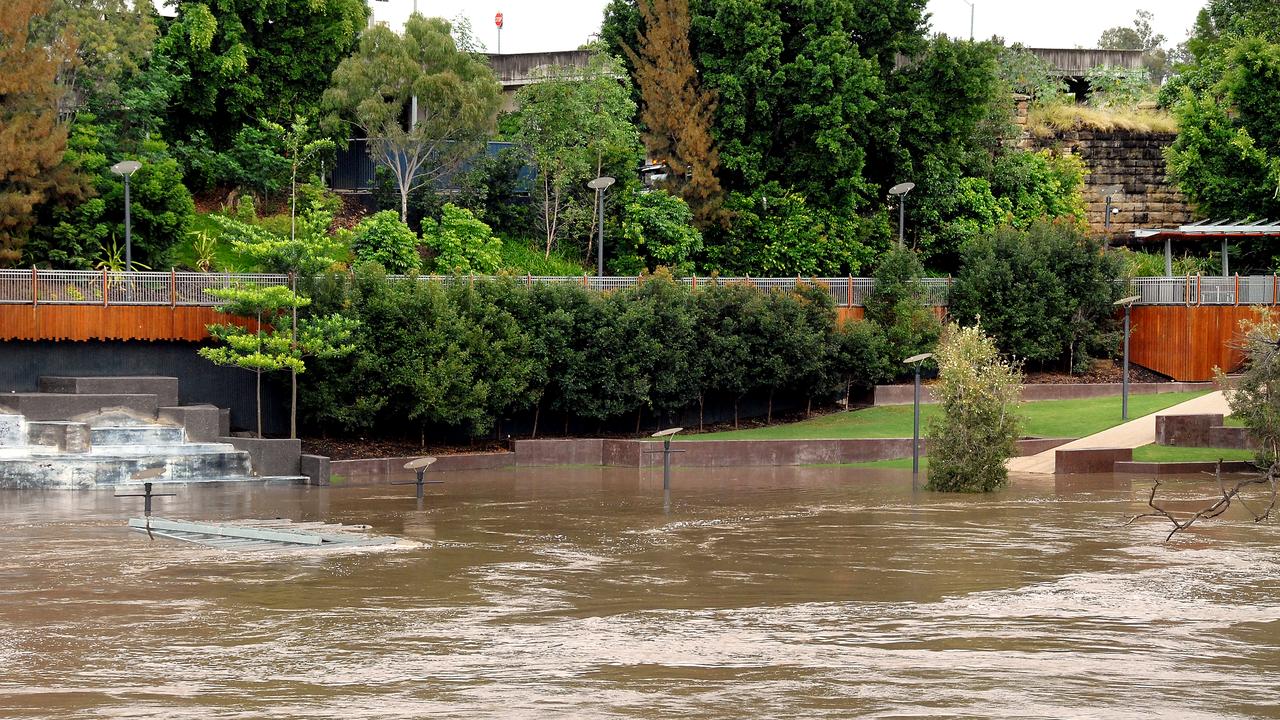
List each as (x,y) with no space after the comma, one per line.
(1206,230)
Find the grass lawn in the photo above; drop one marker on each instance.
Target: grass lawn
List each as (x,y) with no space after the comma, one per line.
(1048,418)
(519,255)
(1164,453)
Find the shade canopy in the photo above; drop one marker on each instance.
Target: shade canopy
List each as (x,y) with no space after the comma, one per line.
(1221,231)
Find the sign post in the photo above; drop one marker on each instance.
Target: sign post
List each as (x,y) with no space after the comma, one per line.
(497,20)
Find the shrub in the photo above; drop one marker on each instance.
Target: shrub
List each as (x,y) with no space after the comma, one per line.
(656,231)
(977,430)
(461,243)
(383,239)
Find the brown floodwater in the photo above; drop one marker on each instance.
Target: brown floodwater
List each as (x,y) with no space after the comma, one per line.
(580,592)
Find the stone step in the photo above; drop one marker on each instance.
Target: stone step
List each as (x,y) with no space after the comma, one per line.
(70,406)
(68,437)
(202,422)
(164,388)
(95,470)
(137,435)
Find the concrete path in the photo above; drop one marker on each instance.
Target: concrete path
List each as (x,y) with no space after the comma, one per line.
(1132,434)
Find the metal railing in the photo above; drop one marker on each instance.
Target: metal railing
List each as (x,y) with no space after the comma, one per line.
(93,287)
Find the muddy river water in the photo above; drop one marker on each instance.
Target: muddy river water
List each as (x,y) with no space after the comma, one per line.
(553,592)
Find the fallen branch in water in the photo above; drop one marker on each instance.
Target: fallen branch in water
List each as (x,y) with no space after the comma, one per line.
(1220,506)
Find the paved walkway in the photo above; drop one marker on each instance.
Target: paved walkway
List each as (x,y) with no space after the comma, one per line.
(1132,434)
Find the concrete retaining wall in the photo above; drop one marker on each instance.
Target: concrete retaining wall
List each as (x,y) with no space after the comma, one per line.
(1090,460)
(904,394)
(379,467)
(1200,431)
(270,456)
(1180,468)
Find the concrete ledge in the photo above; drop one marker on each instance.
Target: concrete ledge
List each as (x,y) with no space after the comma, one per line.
(1186,430)
(64,406)
(315,467)
(1180,468)
(1090,460)
(164,388)
(224,422)
(444,463)
(201,422)
(904,394)
(731,453)
(270,456)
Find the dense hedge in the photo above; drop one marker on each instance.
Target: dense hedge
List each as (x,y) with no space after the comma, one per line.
(473,353)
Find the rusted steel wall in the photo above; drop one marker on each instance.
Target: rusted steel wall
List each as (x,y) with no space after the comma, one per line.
(110,322)
(1187,342)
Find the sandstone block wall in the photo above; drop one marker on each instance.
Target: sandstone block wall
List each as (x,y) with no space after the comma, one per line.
(1131,160)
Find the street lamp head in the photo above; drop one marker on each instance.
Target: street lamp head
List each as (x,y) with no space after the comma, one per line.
(902,188)
(1127,301)
(419,463)
(600,183)
(126,167)
(917,358)
(668,432)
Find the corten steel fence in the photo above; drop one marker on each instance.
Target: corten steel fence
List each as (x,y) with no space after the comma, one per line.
(88,287)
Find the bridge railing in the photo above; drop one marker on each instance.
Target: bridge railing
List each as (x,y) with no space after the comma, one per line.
(93,287)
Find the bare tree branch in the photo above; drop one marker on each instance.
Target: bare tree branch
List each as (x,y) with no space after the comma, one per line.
(1219,506)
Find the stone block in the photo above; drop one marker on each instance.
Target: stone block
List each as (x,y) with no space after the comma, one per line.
(270,456)
(1185,430)
(1078,461)
(201,422)
(164,388)
(224,422)
(69,437)
(316,468)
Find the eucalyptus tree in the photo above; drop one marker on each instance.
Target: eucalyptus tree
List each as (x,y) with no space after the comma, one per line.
(454,92)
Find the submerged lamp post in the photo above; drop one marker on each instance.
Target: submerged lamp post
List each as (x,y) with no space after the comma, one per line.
(127,168)
(600,184)
(147,476)
(666,451)
(1127,304)
(420,465)
(916,360)
(900,191)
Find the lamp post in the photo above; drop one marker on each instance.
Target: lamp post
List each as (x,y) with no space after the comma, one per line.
(970,4)
(916,360)
(666,451)
(127,168)
(600,184)
(900,191)
(1110,193)
(1127,304)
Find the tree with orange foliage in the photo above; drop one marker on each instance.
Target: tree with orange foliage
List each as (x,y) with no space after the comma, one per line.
(677,112)
(32,141)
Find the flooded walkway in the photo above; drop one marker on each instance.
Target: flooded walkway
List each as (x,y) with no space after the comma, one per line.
(762,593)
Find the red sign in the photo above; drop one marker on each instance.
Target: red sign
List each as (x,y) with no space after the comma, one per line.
(497,20)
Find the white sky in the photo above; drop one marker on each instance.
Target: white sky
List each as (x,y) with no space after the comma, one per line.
(536,25)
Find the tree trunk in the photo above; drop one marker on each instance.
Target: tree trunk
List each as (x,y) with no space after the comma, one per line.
(808,408)
(768,416)
(702,401)
(547,223)
(258,391)
(404,203)
(293,202)
(537,410)
(735,412)
(639,415)
(293,372)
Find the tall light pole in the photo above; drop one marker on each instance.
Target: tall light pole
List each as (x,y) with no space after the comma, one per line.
(600,184)
(127,168)
(1127,304)
(916,360)
(900,191)
(970,4)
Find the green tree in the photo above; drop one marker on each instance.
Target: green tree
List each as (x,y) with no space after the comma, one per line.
(251,59)
(1141,36)
(656,231)
(306,254)
(977,428)
(722,338)
(1045,294)
(456,94)
(575,122)
(461,243)
(384,239)
(898,305)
